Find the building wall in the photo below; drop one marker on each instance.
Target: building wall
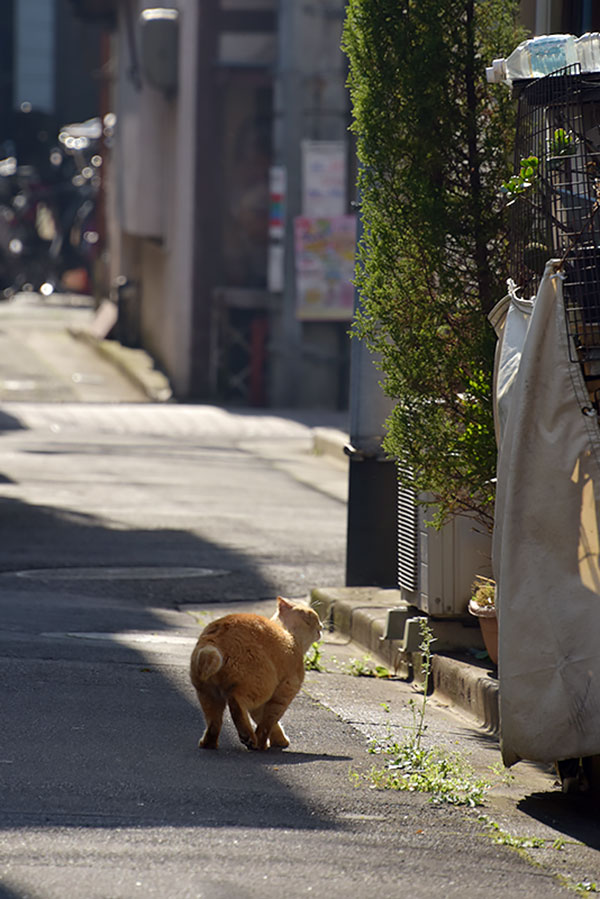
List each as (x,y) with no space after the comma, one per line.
(56,59)
(6,75)
(35,23)
(309,360)
(153,203)
(556,16)
(78,67)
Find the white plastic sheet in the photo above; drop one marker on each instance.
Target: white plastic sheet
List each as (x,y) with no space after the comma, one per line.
(546,546)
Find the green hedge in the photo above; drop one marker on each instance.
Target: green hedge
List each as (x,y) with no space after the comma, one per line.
(434,140)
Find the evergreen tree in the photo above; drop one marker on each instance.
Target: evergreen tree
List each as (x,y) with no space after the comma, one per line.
(434,142)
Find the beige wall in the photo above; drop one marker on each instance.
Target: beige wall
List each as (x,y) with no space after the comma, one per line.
(154,167)
(528,14)
(543,16)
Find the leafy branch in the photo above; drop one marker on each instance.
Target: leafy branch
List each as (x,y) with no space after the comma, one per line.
(518,185)
(433,256)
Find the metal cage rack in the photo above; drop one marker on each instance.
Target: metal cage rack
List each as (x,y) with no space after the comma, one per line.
(558,216)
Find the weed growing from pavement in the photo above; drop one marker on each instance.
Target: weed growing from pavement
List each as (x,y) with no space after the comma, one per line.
(503,838)
(313,660)
(523,844)
(366,667)
(448,778)
(411,766)
(502,773)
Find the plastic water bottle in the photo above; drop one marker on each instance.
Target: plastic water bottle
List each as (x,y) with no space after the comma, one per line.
(535,58)
(551,52)
(587,48)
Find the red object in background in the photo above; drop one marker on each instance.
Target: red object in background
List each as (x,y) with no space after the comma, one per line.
(259,330)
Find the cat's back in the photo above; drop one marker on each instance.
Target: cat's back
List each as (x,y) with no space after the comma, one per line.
(247,632)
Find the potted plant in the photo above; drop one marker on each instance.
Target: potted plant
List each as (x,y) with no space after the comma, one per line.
(483,605)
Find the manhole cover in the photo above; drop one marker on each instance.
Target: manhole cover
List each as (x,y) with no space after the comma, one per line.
(117,574)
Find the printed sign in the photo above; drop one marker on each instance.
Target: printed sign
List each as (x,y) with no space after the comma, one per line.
(325,252)
(323,178)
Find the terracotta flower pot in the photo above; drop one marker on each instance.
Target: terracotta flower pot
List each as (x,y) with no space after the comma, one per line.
(488,622)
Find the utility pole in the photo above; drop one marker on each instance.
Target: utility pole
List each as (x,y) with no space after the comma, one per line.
(288,134)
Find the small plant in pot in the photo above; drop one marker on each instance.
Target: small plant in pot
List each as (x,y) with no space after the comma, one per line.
(483,605)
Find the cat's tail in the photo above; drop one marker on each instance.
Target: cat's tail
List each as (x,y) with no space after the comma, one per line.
(206,662)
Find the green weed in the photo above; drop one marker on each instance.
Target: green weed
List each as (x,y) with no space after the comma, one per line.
(503,838)
(447,778)
(354,777)
(366,667)
(502,773)
(313,660)
(410,766)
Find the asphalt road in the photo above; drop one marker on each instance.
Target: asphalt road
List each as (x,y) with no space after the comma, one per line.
(124,527)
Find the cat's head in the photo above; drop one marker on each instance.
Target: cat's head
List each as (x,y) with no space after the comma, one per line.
(300,620)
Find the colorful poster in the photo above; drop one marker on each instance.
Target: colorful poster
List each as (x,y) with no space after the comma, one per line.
(325,253)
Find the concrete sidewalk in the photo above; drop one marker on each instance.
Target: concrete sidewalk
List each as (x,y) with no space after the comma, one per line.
(464,678)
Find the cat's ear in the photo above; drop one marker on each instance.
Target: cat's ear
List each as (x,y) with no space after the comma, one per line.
(283,604)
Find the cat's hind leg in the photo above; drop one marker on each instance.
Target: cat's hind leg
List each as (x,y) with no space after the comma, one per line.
(242,723)
(268,728)
(277,737)
(213,707)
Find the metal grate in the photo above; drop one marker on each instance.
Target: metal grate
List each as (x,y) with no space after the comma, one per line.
(408,539)
(558,124)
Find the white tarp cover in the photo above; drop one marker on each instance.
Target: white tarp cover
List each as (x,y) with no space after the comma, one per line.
(546,537)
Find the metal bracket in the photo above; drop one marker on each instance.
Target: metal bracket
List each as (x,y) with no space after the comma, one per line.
(363,455)
(399,626)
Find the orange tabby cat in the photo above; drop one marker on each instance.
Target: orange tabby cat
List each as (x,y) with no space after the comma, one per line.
(254,665)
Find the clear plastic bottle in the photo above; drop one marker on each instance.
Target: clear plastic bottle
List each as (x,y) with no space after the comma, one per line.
(551,52)
(535,58)
(587,48)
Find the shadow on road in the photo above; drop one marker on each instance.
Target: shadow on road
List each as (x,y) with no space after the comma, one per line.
(10,422)
(98,734)
(576,816)
(6,893)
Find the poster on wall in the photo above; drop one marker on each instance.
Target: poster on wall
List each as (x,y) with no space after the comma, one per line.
(323,178)
(325,252)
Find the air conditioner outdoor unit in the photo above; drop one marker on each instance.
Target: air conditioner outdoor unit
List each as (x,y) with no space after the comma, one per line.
(436,568)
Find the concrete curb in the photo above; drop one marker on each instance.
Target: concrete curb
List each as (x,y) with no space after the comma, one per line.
(360,613)
(469,687)
(135,364)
